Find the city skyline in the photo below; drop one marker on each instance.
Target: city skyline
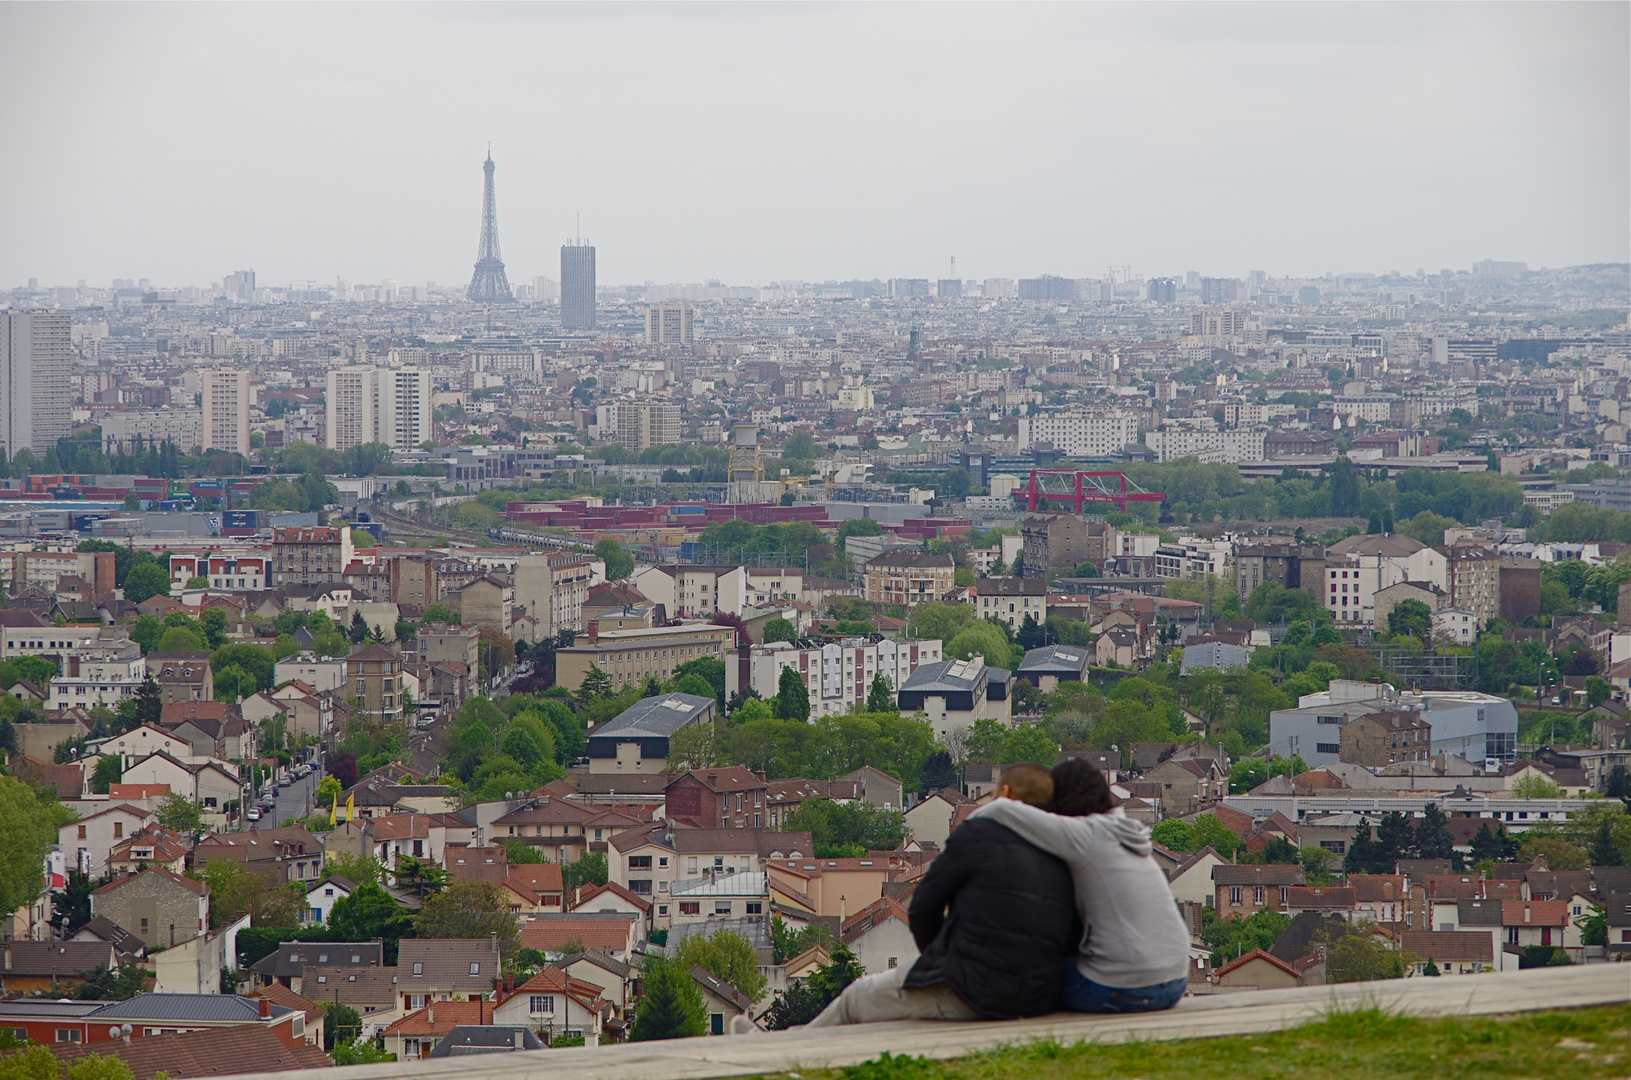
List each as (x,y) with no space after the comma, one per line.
(871,142)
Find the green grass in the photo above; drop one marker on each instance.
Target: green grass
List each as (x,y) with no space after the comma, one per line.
(1577,1044)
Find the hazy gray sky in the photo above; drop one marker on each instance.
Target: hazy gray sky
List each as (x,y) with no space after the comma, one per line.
(753,142)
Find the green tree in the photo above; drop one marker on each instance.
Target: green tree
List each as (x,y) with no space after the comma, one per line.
(147,581)
(470,909)
(360,1052)
(213,622)
(236,891)
(695,746)
(787,944)
(1410,618)
(1175,834)
(1493,845)
(726,955)
(368,913)
(801,445)
(619,563)
(779,630)
(1232,938)
(441,613)
(31,827)
(980,638)
(1029,742)
(1537,787)
(803,1002)
(590,868)
(880,697)
(847,830)
(109,768)
(1357,953)
(342,1024)
(1344,485)
(672,1005)
(792,696)
(1433,837)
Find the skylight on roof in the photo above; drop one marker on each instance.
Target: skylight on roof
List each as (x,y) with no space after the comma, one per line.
(676,704)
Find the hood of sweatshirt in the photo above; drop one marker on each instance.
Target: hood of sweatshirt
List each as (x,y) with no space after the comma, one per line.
(1131,834)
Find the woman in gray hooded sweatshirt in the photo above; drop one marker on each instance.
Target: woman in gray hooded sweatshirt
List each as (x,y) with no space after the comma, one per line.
(1134,955)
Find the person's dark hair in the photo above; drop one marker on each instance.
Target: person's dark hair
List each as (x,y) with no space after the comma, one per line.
(1079,789)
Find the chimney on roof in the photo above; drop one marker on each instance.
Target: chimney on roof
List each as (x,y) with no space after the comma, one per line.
(594,631)
(431,1015)
(266,1008)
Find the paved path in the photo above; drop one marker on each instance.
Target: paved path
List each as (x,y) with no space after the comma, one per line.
(1220,1014)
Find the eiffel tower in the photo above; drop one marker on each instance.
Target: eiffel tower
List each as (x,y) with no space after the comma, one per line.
(489,285)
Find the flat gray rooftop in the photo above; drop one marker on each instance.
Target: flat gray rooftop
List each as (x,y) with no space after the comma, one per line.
(1248,1012)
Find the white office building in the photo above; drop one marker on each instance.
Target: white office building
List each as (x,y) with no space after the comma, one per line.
(1098,434)
(1231,447)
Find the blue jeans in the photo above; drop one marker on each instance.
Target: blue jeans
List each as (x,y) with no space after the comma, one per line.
(1082,994)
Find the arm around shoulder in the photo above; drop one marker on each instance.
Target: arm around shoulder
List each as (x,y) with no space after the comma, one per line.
(1048,831)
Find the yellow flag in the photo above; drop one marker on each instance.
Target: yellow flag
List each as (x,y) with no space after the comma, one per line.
(351,807)
(335,809)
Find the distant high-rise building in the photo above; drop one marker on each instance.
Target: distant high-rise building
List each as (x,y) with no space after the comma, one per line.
(351,407)
(240,286)
(1219,290)
(405,408)
(1047,287)
(909,287)
(1163,290)
(489,285)
(949,289)
(383,405)
(544,288)
(226,394)
(639,426)
(35,401)
(578,286)
(999,288)
(669,324)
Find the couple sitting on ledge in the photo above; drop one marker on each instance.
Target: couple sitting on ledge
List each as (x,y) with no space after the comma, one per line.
(1045,899)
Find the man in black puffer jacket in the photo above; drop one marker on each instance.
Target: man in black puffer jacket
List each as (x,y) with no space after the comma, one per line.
(992,918)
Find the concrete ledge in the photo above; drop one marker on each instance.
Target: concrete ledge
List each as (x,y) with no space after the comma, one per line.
(1194,1018)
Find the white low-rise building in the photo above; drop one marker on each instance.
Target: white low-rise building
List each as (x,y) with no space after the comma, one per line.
(838,675)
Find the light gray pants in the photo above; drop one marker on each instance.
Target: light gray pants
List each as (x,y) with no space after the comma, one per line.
(876,998)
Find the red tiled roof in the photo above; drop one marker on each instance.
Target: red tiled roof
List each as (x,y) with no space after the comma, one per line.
(1534,912)
(593,933)
(447,1014)
(211,1052)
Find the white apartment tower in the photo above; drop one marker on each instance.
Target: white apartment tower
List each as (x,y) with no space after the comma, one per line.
(225,422)
(668,324)
(351,407)
(405,408)
(35,350)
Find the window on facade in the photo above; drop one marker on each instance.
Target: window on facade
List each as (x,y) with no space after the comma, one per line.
(639,862)
(541,1004)
(690,907)
(1257,895)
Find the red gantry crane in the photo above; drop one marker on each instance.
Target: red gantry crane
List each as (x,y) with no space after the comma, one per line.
(1081,488)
